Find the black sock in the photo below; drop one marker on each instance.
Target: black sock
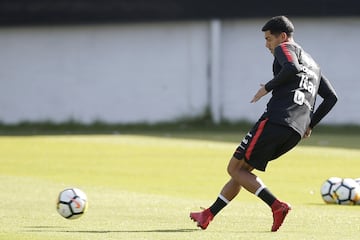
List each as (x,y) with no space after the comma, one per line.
(218,205)
(267,196)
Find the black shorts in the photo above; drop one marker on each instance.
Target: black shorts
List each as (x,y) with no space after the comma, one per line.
(265,142)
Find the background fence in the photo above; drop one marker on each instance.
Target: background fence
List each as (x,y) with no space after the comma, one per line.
(161,71)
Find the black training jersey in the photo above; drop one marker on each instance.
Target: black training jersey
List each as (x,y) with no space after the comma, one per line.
(296,83)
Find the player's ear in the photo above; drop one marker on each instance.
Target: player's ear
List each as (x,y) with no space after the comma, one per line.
(284,37)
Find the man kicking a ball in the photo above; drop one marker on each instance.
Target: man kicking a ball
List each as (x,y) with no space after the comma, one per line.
(289,116)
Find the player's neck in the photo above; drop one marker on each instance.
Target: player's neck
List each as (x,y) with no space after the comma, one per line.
(289,39)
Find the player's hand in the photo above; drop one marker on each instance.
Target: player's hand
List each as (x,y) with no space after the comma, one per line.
(260,93)
(308,132)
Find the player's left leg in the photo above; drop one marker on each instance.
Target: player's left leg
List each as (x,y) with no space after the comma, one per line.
(240,171)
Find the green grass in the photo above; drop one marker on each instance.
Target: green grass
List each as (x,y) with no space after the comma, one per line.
(143,187)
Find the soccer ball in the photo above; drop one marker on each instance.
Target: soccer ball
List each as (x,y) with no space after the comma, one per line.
(71,203)
(328,187)
(347,192)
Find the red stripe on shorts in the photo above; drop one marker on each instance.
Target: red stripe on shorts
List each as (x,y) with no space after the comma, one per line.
(255,139)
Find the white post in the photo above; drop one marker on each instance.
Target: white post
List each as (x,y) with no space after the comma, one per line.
(215,87)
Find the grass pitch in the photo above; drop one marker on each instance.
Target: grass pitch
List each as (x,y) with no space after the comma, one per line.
(142,187)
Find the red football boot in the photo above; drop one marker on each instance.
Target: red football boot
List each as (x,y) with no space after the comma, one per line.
(279,215)
(202,218)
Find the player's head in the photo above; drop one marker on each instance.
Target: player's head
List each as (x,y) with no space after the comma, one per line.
(279,24)
(277,30)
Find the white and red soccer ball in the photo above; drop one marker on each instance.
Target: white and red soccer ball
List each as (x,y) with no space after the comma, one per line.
(71,203)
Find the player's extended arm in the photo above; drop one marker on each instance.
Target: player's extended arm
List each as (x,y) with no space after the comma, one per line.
(286,73)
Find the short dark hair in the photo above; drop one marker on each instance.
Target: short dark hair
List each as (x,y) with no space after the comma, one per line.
(279,24)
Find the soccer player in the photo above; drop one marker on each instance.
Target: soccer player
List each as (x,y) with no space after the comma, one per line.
(289,117)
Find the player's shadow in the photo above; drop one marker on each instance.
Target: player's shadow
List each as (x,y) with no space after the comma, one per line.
(62,229)
(59,229)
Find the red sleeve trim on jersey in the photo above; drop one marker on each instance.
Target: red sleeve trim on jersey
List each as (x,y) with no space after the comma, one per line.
(286,52)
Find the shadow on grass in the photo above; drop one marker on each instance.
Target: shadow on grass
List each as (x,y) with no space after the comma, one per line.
(63,230)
